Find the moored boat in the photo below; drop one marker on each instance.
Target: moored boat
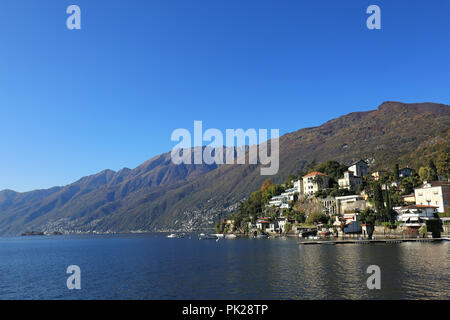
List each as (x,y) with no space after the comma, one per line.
(208,237)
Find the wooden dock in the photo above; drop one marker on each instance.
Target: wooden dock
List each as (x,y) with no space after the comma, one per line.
(366,241)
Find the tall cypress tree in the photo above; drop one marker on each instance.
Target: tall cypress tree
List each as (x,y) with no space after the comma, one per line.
(396,172)
(389,213)
(378,198)
(433,173)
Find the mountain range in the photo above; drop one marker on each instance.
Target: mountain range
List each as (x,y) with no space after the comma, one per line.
(161,196)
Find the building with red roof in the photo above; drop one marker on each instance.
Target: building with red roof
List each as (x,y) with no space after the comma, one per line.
(315,181)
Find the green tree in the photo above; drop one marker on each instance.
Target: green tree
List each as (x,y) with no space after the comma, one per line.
(310,166)
(409,183)
(316,218)
(378,198)
(271,191)
(433,169)
(319,180)
(333,169)
(368,217)
(423,230)
(287,227)
(443,164)
(245,223)
(396,172)
(300,217)
(219,227)
(445,214)
(425,174)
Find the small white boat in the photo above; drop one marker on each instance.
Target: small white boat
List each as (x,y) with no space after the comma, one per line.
(230,236)
(208,237)
(219,235)
(172,235)
(202,235)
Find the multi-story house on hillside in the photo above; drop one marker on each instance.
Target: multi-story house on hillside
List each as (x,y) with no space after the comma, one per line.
(359,168)
(416,215)
(315,181)
(349,181)
(283,200)
(353,176)
(298,185)
(350,203)
(405,172)
(434,193)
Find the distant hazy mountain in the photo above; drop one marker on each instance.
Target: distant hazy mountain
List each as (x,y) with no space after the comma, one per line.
(159,195)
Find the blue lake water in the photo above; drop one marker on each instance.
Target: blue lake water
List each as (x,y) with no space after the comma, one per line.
(152,266)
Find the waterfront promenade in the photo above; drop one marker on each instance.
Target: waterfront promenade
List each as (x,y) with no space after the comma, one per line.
(366,241)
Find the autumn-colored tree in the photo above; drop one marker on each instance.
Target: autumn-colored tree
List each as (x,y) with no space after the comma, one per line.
(266,185)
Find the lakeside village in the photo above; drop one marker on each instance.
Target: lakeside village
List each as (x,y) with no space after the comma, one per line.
(330,200)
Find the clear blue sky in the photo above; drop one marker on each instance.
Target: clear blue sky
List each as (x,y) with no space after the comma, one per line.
(73,103)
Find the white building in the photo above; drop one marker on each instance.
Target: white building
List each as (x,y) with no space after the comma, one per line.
(416,215)
(351,203)
(351,221)
(278,201)
(289,193)
(315,181)
(284,199)
(262,223)
(282,223)
(330,205)
(435,193)
(359,168)
(273,227)
(298,185)
(349,181)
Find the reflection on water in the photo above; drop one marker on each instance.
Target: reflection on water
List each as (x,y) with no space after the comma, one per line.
(154,267)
